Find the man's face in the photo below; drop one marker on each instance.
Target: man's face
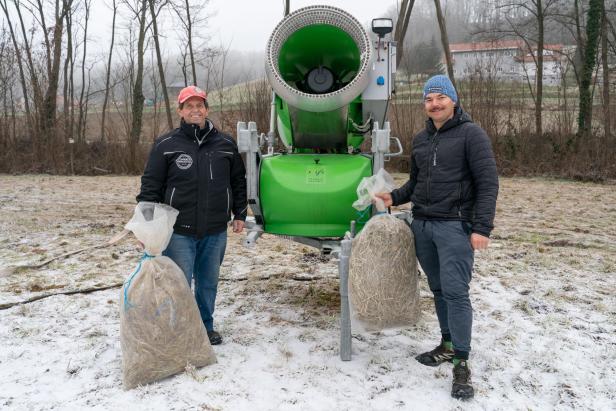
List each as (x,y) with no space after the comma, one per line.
(193,111)
(439,107)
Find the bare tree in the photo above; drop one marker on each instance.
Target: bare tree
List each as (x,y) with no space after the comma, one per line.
(190,17)
(444,40)
(48,118)
(568,18)
(159,59)
(20,66)
(34,81)
(607,128)
(108,73)
(68,86)
(529,26)
(402,24)
(82,114)
(219,81)
(139,9)
(7,82)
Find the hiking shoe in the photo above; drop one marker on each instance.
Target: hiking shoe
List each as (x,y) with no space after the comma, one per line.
(214,337)
(442,353)
(462,388)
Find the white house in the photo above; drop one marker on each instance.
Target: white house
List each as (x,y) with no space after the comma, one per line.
(508,60)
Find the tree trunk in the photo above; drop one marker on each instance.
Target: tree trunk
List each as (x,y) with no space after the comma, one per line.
(49,102)
(80,122)
(108,74)
(590,57)
(402,24)
(48,117)
(36,88)
(67,92)
(46,31)
(189,28)
(607,128)
(138,98)
(161,70)
(445,41)
(20,66)
(539,75)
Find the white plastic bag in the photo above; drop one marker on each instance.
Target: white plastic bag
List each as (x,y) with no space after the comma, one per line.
(161,331)
(381,182)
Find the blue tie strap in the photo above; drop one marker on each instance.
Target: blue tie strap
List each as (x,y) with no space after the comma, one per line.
(127,283)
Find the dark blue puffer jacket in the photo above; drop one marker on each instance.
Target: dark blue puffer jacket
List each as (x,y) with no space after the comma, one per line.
(453,174)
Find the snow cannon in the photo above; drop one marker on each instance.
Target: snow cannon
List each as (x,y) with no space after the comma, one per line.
(331,86)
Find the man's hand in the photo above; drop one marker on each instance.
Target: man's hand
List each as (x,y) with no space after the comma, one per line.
(386,197)
(238,226)
(479,242)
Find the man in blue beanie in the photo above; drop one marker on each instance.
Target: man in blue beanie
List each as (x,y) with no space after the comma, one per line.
(453,186)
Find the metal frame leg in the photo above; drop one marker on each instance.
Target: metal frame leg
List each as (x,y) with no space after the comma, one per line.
(345,313)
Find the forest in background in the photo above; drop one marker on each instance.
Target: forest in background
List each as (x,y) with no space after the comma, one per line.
(70,105)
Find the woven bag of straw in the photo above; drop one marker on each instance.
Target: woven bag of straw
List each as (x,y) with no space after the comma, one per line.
(161,331)
(383,275)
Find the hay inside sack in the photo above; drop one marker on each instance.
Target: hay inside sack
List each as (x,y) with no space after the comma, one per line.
(161,331)
(383,275)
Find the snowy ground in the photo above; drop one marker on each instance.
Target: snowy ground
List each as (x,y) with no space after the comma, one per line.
(544,331)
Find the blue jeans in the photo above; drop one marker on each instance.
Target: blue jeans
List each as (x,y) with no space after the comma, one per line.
(444,251)
(200,259)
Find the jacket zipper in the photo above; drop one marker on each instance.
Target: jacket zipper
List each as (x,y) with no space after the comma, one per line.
(209,157)
(460,200)
(432,151)
(228,201)
(171,198)
(198,185)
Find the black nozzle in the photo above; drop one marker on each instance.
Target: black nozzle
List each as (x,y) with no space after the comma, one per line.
(320,80)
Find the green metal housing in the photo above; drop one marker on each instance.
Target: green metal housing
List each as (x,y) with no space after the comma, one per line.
(309,47)
(311,195)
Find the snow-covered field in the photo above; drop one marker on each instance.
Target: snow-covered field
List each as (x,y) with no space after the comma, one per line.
(544,300)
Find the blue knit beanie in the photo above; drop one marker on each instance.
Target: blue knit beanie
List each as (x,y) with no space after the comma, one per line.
(440,84)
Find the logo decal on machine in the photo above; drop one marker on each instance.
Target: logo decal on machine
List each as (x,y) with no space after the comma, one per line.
(184,161)
(315,175)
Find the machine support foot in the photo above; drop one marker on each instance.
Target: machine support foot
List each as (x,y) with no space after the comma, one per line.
(345,313)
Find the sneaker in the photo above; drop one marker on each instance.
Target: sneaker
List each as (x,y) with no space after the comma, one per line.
(462,388)
(214,337)
(442,353)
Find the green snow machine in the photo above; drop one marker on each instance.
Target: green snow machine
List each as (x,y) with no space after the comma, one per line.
(331,86)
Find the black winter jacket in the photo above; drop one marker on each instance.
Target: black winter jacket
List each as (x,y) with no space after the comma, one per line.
(453,174)
(205,182)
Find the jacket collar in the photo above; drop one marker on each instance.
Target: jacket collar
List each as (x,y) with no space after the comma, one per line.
(459,117)
(194,131)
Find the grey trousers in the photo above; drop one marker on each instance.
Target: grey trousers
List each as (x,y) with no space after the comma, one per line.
(444,251)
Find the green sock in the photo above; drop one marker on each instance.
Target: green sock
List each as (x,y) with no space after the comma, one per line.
(448,345)
(457,361)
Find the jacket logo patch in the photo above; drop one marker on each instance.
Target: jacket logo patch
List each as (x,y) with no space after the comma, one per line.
(184,161)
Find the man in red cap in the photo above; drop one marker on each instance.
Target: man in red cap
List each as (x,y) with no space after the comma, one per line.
(199,171)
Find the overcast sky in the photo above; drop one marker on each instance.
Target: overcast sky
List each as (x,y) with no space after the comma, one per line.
(247,24)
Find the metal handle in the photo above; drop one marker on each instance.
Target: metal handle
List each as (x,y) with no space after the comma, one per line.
(400,149)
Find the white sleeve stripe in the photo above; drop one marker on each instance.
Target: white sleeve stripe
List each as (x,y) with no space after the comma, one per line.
(162,141)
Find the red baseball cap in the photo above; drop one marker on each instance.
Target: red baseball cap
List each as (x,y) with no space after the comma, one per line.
(191,91)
